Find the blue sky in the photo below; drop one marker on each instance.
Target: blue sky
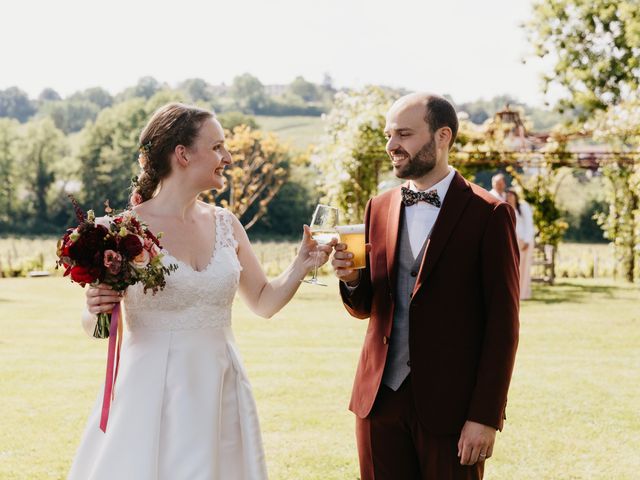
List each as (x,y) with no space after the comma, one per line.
(466,48)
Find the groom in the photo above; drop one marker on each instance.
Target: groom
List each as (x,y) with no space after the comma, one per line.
(441,293)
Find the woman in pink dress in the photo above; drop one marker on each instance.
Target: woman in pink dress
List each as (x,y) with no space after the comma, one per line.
(526,235)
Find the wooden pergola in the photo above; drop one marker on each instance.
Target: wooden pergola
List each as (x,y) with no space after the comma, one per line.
(531,152)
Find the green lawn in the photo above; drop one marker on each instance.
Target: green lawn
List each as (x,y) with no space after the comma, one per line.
(299,131)
(574,260)
(573,407)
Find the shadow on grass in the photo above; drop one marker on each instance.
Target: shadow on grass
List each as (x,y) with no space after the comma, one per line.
(574,292)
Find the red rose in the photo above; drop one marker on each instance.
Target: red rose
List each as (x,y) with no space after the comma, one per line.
(83,275)
(131,246)
(87,249)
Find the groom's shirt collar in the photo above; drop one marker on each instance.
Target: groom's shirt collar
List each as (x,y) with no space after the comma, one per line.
(442,187)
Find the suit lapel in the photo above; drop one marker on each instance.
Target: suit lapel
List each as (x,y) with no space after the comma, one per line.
(393,230)
(458,195)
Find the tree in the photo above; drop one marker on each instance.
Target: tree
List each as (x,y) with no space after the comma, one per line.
(146,88)
(231,120)
(41,149)
(352,154)
(594,46)
(307,91)
(96,95)
(497,143)
(71,115)
(540,191)
(9,139)
(619,127)
(49,95)
(248,92)
(14,103)
(260,168)
(327,83)
(163,97)
(291,208)
(109,152)
(197,89)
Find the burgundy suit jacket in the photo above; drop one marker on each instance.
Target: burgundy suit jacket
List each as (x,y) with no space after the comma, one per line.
(463,316)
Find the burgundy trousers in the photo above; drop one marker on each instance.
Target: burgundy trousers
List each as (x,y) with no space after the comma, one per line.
(393,445)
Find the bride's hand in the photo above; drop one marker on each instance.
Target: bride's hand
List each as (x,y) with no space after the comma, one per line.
(311,252)
(102,298)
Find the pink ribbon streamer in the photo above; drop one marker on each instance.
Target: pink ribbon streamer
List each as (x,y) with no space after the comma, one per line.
(113,360)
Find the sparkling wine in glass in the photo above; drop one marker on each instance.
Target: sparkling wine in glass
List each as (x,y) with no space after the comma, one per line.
(323,230)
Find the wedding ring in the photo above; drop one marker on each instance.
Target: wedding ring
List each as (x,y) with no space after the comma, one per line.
(483,454)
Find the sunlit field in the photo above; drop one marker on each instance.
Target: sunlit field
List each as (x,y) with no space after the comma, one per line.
(572,414)
(574,260)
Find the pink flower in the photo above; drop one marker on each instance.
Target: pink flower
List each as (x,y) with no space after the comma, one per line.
(142,259)
(151,247)
(136,198)
(113,261)
(154,251)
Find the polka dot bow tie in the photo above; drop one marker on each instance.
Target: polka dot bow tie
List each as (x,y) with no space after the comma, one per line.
(409,197)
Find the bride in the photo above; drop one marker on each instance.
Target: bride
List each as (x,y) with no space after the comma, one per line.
(183,406)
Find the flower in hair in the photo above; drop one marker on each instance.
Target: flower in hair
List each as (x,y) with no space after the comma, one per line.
(136,198)
(145,147)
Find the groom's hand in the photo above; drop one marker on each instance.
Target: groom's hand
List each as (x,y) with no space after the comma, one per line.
(476,443)
(342,263)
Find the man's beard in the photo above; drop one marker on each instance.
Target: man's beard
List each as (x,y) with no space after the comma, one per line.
(420,164)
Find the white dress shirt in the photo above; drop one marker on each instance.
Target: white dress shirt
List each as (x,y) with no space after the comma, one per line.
(422,216)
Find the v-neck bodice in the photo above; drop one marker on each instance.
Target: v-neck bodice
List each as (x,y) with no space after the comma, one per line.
(191,298)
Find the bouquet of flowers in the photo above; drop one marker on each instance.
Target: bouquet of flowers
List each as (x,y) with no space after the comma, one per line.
(118,250)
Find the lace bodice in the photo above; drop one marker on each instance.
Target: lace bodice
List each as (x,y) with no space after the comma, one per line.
(191,299)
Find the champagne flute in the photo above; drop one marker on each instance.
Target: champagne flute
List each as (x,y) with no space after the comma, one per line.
(323,223)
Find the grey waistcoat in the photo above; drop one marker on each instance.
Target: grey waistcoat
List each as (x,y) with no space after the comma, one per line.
(397,367)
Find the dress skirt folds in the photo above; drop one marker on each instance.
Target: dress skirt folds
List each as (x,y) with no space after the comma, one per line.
(183,406)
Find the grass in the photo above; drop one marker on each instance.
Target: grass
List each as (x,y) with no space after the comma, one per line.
(573,406)
(574,260)
(23,254)
(299,131)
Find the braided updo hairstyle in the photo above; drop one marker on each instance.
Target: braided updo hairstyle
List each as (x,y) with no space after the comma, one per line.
(171,125)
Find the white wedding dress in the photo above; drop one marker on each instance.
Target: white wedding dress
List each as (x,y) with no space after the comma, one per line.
(183,407)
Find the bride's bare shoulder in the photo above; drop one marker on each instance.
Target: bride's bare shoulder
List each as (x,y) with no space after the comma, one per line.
(146,214)
(207,206)
(140,209)
(215,209)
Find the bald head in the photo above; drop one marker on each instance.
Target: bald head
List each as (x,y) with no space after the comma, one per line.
(499,183)
(437,111)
